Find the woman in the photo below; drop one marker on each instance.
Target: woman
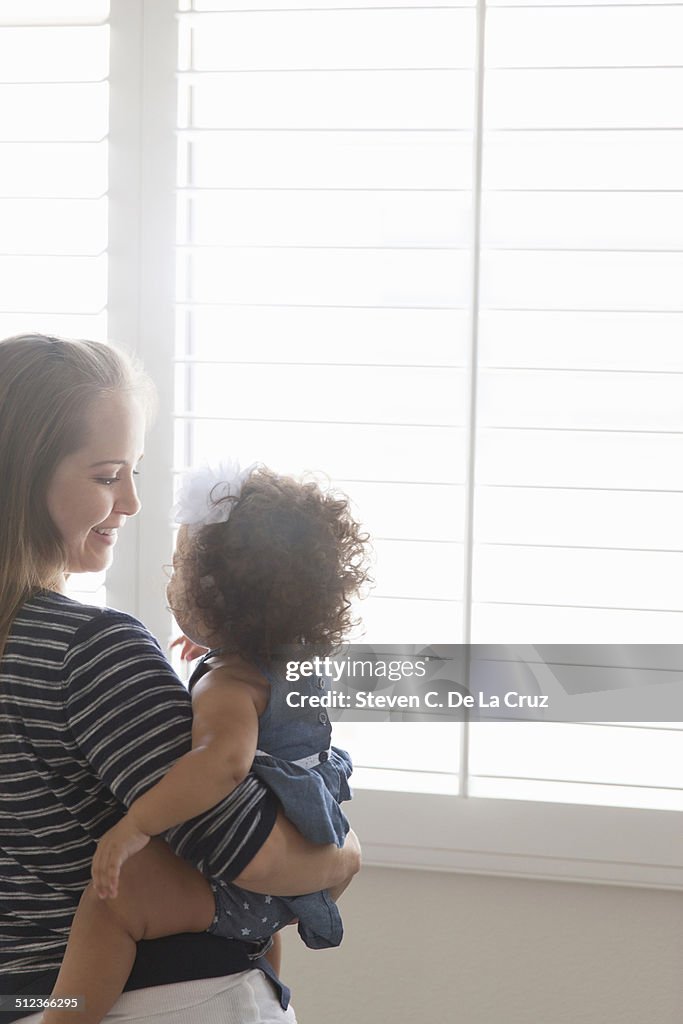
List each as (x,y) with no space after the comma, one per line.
(91,715)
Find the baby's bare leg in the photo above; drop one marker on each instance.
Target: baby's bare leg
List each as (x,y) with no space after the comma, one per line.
(159,894)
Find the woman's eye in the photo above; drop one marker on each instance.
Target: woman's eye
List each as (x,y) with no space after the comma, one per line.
(109,480)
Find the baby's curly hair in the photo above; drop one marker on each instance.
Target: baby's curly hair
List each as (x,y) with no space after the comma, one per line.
(281,571)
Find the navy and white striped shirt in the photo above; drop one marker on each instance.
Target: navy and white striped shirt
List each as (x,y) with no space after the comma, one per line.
(91,715)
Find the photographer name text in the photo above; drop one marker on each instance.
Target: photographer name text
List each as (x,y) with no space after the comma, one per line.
(368,700)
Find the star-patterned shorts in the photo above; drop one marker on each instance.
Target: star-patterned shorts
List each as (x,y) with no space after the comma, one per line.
(248,916)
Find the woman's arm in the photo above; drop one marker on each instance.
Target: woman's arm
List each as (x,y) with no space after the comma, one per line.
(287,863)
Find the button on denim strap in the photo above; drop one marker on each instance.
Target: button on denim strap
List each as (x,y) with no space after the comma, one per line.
(306,762)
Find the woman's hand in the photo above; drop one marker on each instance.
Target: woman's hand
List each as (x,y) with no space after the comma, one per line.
(114,848)
(189,650)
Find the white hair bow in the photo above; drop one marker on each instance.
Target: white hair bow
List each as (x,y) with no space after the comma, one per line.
(202,493)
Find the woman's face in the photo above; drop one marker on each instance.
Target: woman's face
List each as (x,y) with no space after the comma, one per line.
(92,491)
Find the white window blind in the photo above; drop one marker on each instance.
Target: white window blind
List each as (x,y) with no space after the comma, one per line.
(324,262)
(440,260)
(54,60)
(577,534)
(577,523)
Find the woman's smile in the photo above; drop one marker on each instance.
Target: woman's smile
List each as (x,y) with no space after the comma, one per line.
(108,536)
(93,492)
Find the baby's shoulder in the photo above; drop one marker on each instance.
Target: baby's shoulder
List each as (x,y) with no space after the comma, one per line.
(228,673)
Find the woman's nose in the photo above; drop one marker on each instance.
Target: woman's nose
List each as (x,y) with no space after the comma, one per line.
(128,503)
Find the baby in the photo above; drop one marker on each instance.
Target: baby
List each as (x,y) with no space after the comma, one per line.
(264,568)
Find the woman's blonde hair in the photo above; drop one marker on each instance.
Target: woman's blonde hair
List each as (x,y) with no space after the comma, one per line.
(47,386)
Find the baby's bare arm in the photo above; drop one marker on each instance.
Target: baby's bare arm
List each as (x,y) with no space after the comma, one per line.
(224,733)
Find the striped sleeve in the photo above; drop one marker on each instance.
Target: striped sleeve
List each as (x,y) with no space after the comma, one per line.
(131,717)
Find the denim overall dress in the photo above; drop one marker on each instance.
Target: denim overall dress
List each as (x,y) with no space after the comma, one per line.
(310,778)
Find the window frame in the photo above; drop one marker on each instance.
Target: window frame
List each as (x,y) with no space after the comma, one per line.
(520,839)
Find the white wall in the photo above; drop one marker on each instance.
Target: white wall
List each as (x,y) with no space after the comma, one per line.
(423,947)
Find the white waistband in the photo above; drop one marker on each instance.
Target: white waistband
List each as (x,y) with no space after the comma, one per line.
(306,762)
